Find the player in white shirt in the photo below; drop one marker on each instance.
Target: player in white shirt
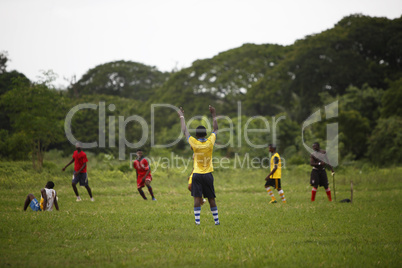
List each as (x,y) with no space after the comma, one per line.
(48,199)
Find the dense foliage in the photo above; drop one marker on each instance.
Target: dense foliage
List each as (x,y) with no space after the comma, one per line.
(357,64)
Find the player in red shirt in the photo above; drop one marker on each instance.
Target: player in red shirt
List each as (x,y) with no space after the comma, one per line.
(144,177)
(80,171)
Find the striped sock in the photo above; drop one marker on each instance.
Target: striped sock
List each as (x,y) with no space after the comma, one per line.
(328,194)
(269,191)
(197,213)
(214,211)
(282,194)
(313,193)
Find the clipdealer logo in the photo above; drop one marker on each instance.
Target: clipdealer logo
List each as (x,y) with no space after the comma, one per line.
(332,138)
(235,133)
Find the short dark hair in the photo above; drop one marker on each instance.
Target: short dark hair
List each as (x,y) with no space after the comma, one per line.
(316,143)
(272,145)
(140,150)
(50,184)
(200,132)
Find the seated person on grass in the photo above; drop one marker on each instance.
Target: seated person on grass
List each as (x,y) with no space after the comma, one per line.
(48,199)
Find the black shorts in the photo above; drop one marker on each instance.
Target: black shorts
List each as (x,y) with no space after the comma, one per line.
(276,183)
(203,185)
(82,178)
(319,178)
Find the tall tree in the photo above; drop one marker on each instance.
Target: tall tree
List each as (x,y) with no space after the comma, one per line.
(358,50)
(36,114)
(120,78)
(392,100)
(6,84)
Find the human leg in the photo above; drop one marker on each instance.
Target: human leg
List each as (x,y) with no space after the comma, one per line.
(314,181)
(324,182)
(74,182)
(328,191)
(148,184)
(209,192)
(282,195)
(28,200)
(196,192)
(76,191)
(197,210)
(83,179)
(142,193)
(270,182)
(214,210)
(313,193)
(89,191)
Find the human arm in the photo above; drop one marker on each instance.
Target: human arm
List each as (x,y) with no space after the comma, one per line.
(72,161)
(183,123)
(327,162)
(271,173)
(215,123)
(276,162)
(56,205)
(145,165)
(146,175)
(44,196)
(83,166)
(314,162)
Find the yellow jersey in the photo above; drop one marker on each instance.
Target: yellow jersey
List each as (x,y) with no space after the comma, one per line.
(190,179)
(278,172)
(203,153)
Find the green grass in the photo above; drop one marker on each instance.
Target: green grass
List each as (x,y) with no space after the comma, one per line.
(119,229)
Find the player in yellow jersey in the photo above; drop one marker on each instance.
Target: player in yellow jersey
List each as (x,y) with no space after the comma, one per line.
(202,179)
(190,182)
(274,177)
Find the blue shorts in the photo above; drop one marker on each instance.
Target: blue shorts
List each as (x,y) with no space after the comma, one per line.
(82,178)
(35,205)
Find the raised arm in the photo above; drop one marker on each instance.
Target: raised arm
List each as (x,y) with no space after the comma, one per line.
(183,123)
(55,202)
(215,123)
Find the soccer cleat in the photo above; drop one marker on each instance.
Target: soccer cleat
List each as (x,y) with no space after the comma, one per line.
(197,223)
(217,223)
(78,199)
(153,199)
(273,202)
(92,199)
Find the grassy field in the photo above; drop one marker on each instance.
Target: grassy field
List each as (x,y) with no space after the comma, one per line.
(119,229)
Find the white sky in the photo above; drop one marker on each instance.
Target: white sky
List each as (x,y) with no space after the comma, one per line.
(72,36)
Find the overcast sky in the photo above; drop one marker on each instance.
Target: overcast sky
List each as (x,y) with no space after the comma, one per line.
(72,36)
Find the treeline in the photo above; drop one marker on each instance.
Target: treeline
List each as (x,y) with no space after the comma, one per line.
(357,65)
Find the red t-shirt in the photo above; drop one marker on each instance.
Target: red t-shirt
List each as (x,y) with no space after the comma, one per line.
(79,159)
(142,167)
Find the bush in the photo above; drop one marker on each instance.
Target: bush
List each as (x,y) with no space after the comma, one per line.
(385,141)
